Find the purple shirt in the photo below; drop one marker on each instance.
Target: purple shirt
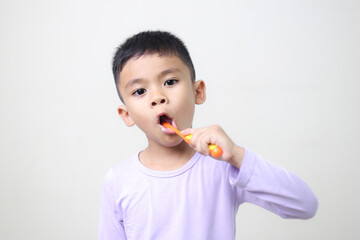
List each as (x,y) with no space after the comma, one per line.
(198,201)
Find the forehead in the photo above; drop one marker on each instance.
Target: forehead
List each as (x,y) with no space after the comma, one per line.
(151,65)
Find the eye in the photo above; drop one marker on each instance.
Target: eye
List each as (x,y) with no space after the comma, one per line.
(139,92)
(170,82)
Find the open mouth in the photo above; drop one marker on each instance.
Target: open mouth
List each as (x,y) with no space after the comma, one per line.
(162,118)
(165,118)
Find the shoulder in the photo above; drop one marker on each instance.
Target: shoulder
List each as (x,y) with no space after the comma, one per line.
(121,172)
(219,168)
(123,167)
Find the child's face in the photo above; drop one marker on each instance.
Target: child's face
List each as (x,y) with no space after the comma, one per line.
(153,86)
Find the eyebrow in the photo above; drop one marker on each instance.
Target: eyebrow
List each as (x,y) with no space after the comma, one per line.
(168,71)
(161,74)
(133,81)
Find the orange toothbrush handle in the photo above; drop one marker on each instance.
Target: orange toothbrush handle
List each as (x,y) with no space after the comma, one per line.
(214,150)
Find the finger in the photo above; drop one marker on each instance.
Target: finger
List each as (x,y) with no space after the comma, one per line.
(203,142)
(202,148)
(187,131)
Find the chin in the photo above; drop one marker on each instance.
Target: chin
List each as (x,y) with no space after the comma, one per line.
(172,143)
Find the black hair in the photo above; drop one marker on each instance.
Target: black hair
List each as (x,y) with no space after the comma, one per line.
(149,42)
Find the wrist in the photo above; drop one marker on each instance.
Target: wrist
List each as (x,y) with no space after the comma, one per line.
(237,157)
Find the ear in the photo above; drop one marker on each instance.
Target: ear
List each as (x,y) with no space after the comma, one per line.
(200,92)
(125,116)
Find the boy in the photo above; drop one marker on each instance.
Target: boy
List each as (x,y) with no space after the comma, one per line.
(173,190)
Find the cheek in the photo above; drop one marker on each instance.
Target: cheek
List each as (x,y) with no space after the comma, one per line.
(138,116)
(187,110)
(142,123)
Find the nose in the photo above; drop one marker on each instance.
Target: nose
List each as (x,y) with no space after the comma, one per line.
(158,96)
(158,99)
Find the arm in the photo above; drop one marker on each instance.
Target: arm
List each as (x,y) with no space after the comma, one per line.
(273,188)
(256,180)
(110,222)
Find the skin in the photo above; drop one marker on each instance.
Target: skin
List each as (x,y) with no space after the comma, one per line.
(152,85)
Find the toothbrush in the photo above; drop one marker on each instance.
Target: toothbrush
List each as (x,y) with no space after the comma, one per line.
(214,150)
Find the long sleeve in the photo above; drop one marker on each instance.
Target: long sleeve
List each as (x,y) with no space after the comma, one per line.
(110,221)
(273,188)
(197,201)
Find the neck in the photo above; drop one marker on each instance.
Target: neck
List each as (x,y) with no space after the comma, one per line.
(161,158)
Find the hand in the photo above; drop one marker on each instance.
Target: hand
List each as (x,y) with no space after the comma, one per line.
(202,137)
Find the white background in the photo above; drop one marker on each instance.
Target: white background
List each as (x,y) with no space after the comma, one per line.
(283,79)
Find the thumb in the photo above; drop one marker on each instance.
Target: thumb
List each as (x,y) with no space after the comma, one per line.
(187,131)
